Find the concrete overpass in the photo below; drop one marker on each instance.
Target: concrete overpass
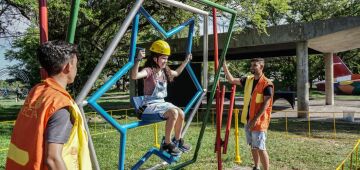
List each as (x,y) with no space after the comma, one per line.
(318,37)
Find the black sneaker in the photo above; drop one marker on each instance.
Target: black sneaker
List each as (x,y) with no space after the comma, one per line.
(171,149)
(254,168)
(181,145)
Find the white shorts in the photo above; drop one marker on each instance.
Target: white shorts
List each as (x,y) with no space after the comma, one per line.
(256,139)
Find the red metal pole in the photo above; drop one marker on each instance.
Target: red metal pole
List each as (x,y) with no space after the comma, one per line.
(222,105)
(216,56)
(217,95)
(218,129)
(216,65)
(228,125)
(216,47)
(43,19)
(217,105)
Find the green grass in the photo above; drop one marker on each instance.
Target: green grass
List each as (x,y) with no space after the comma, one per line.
(314,94)
(292,151)
(9,108)
(287,151)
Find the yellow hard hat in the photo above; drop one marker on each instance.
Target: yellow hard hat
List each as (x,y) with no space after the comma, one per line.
(161,47)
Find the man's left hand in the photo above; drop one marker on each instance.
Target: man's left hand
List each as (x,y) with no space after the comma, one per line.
(252,123)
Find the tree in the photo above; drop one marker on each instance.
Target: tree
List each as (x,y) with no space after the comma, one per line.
(14,13)
(98,21)
(310,10)
(284,74)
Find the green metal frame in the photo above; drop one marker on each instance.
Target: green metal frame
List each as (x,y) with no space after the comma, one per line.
(70,36)
(217,76)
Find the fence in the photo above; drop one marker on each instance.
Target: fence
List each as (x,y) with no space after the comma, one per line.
(352,160)
(99,127)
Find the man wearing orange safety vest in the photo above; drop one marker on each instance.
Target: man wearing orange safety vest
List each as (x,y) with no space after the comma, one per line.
(49,131)
(258,100)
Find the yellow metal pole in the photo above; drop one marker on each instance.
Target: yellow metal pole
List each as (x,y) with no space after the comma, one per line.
(351,156)
(357,153)
(309,123)
(156,142)
(237,153)
(126,116)
(95,120)
(334,125)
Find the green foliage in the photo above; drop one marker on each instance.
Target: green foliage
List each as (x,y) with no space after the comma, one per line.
(99,21)
(352,59)
(24,50)
(283,69)
(310,10)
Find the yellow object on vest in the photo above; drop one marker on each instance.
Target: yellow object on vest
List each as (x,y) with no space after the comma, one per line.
(247,97)
(42,102)
(75,151)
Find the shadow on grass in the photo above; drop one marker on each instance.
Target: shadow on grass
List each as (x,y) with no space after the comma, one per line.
(6,129)
(301,127)
(9,112)
(297,126)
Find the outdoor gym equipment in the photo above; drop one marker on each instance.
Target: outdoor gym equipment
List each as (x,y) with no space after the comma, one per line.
(108,52)
(216,79)
(92,100)
(220,96)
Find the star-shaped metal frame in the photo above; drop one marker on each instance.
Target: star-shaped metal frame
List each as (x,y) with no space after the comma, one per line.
(122,128)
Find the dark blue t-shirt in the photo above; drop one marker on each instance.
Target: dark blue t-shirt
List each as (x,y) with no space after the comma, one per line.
(59,127)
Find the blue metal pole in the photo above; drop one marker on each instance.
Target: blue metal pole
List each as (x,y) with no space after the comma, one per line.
(193,77)
(106,116)
(181,27)
(143,159)
(125,68)
(190,70)
(158,27)
(152,21)
(190,36)
(122,150)
(109,83)
(192,101)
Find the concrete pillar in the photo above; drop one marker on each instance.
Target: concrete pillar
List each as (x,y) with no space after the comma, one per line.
(302,74)
(329,79)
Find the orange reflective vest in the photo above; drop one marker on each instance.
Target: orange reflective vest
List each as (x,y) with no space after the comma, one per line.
(256,100)
(27,146)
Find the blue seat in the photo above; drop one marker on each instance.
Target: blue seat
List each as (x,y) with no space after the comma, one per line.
(137,103)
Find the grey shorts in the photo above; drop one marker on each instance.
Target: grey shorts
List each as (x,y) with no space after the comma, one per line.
(256,139)
(159,108)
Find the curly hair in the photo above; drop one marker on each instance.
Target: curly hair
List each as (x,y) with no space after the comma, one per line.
(261,61)
(152,64)
(52,55)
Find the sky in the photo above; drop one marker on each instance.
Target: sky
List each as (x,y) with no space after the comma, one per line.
(4,45)
(19,25)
